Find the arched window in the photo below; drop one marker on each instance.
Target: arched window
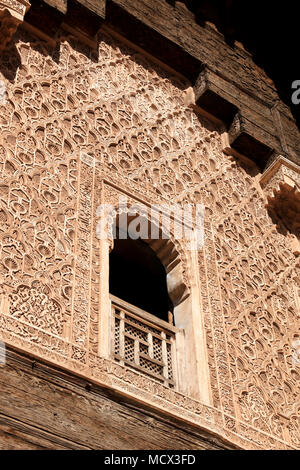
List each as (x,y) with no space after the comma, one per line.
(137,276)
(151,318)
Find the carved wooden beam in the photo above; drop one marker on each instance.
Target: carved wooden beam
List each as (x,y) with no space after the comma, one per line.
(250,140)
(85,16)
(251,132)
(212,96)
(60,5)
(12,13)
(46,16)
(98,7)
(125,19)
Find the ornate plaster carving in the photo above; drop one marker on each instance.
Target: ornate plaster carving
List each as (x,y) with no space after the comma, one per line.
(70,127)
(281,183)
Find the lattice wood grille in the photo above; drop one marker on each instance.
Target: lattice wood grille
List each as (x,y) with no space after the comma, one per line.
(142,341)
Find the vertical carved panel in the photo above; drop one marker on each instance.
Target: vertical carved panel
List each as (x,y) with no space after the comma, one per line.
(82,292)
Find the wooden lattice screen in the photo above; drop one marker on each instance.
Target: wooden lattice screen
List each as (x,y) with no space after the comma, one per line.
(142,341)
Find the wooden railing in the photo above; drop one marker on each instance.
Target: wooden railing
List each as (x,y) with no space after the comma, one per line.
(144,342)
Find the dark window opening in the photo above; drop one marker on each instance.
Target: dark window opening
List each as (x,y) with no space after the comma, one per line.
(137,276)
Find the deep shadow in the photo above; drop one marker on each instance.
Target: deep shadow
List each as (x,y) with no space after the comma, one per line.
(48,19)
(10,60)
(268,30)
(284,210)
(137,276)
(151,41)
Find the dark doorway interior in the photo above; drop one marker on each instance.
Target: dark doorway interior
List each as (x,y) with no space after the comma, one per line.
(137,276)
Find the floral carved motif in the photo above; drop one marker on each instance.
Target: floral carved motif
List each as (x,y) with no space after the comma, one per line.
(77,125)
(32,305)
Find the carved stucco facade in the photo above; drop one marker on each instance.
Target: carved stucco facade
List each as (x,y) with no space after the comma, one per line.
(81,127)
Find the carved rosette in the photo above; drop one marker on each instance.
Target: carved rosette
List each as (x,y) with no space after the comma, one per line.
(12,13)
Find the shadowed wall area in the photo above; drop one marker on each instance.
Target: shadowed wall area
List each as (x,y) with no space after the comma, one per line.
(137,276)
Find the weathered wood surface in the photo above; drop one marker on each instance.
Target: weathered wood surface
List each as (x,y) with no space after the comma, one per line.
(243,79)
(42,407)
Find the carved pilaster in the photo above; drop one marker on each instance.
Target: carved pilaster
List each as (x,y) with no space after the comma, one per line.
(12,13)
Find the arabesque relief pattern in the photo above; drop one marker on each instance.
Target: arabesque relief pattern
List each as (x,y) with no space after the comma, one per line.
(74,117)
